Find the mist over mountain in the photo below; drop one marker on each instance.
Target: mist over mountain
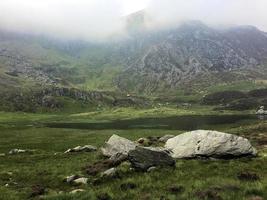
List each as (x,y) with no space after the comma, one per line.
(146,61)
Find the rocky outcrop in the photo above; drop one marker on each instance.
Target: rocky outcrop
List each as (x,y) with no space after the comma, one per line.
(143,158)
(203,143)
(117,144)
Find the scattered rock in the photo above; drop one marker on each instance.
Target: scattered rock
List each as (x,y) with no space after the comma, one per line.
(176,189)
(203,143)
(151,169)
(86,148)
(128,186)
(143,158)
(248,176)
(165,138)
(70,179)
(2,154)
(37,190)
(117,144)
(16,151)
(77,191)
(110,173)
(81,181)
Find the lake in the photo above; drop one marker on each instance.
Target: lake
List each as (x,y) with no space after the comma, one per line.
(188,122)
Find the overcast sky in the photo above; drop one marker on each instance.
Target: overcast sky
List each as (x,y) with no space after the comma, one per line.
(97,19)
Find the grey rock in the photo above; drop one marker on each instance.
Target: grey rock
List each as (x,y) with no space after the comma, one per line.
(86,148)
(16,151)
(142,158)
(70,179)
(77,191)
(2,154)
(117,144)
(150,169)
(110,173)
(165,138)
(118,158)
(81,181)
(204,143)
(261,111)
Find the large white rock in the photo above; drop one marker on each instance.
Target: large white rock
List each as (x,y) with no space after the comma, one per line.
(117,144)
(203,143)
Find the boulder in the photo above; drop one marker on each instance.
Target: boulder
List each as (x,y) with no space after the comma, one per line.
(204,143)
(165,138)
(117,144)
(142,158)
(86,148)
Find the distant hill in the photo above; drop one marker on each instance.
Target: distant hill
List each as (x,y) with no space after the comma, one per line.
(189,57)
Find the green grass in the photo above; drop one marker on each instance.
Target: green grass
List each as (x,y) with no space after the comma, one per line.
(47,165)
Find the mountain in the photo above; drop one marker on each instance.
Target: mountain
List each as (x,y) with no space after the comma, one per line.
(190,56)
(194,51)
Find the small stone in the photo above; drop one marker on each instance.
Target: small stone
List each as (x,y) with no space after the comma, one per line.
(150,169)
(110,173)
(81,181)
(16,151)
(2,154)
(141,140)
(77,191)
(6,185)
(86,148)
(70,179)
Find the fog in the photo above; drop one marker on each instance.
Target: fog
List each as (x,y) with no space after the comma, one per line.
(101,19)
(213,12)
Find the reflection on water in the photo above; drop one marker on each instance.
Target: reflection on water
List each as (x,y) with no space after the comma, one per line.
(172,123)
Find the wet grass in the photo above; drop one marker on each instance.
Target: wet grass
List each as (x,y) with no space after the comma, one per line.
(47,166)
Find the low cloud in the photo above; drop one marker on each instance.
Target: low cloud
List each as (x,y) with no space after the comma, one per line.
(212,12)
(100,19)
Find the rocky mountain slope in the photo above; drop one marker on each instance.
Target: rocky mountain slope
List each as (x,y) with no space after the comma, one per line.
(148,61)
(194,52)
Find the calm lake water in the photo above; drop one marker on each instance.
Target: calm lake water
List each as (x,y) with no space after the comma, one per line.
(172,123)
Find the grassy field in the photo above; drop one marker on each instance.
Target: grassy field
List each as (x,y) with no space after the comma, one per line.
(46,165)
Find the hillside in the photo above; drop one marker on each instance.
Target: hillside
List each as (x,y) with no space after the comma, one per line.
(189,58)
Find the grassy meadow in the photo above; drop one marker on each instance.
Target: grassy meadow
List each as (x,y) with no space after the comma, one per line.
(46,165)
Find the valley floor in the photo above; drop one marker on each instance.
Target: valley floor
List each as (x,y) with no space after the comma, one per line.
(46,166)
